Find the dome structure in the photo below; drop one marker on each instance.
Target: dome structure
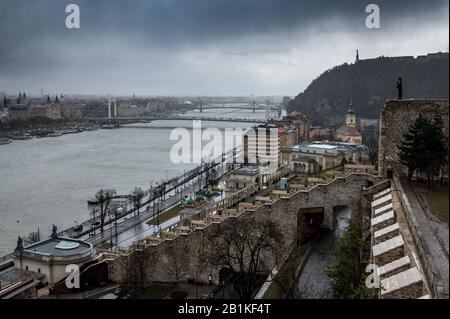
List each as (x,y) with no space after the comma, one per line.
(199,198)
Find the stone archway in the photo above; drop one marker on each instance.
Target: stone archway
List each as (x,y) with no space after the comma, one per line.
(309,223)
(342,216)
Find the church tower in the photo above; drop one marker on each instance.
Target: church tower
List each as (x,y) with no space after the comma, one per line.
(350,119)
(357,56)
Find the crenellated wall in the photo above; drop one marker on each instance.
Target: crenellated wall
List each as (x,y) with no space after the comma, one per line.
(186,252)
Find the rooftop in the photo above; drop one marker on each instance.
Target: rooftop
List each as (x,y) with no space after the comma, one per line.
(322,146)
(247,170)
(348,130)
(325,148)
(60,247)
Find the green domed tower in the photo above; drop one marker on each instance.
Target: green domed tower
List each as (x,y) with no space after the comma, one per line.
(350,119)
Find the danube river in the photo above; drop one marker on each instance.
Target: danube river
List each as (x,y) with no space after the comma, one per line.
(49,180)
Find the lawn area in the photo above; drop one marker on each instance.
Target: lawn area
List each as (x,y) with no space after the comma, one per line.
(438,201)
(105,246)
(286,275)
(171,213)
(156,291)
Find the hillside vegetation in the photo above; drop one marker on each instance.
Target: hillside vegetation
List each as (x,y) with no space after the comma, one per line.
(370,83)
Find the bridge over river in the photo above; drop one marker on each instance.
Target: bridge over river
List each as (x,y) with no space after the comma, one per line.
(148,119)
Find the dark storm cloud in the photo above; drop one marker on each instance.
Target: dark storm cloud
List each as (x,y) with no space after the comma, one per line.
(187,20)
(162,33)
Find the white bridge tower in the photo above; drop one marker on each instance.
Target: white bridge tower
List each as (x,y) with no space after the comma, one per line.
(112,107)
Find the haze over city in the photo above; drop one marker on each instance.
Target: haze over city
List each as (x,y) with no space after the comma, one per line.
(180,47)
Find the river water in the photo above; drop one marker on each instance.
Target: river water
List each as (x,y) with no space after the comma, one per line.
(49,180)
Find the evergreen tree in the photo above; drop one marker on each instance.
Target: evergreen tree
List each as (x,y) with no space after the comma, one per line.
(347,272)
(48,99)
(56,99)
(5,102)
(422,148)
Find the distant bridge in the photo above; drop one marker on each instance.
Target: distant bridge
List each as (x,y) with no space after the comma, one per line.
(254,107)
(148,119)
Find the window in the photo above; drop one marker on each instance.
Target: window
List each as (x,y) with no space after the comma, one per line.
(26,267)
(39,270)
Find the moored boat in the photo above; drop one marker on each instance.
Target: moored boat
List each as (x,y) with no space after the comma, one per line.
(4,141)
(54,134)
(21,137)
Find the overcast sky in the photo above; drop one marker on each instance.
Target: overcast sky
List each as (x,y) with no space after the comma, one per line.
(210,47)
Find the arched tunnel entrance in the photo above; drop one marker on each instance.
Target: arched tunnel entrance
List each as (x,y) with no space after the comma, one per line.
(342,217)
(313,282)
(309,222)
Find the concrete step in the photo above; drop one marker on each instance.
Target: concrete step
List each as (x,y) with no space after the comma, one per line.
(388,251)
(386,233)
(404,285)
(382,209)
(383,221)
(382,193)
(394,267)
(382,200)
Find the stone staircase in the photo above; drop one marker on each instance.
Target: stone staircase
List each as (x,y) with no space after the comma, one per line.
(398,274)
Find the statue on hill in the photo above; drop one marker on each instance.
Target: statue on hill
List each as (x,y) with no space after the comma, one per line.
(400,88)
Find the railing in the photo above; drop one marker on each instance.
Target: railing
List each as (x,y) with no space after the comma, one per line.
(419,231)
(153,194)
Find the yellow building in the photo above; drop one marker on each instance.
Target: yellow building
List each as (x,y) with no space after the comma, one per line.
(348,132)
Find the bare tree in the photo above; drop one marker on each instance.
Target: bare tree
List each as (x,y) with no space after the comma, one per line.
(200,262)
(137,195)
(136,272)
(32,238)
(246,246)
(102,203)
(178,254)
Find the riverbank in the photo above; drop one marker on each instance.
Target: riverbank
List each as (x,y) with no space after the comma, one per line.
(41,131)
(49,180)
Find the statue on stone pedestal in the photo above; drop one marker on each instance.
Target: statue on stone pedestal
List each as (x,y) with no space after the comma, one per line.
(54,232)
(19,247)
(400,89)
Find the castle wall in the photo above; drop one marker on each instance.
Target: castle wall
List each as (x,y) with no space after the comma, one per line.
(188,253)
(396,118)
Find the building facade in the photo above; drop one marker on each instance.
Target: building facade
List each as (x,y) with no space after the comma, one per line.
(261,146)
(72,112)
(326,155)
(51,257)
(301,122)
(51,111)
(4,116)
(18,113)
